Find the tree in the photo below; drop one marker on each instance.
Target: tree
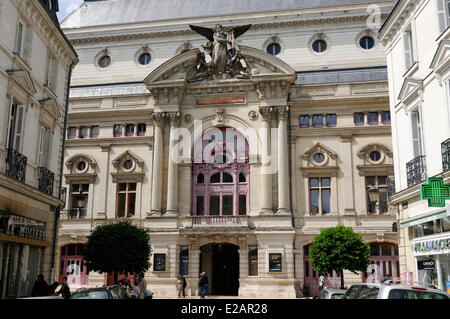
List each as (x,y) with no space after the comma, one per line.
(339,248)
(118,247)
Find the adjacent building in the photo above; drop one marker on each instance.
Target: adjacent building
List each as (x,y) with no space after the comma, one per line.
(416,38)
(35,63)
(301,139)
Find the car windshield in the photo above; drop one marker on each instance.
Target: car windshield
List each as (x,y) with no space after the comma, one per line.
(99,294)
(368,292)
(413,294)
(352,292)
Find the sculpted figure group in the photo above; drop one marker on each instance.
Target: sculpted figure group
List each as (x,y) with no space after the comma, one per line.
(226,59)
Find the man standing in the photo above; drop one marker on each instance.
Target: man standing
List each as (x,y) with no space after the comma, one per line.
(65,290)
(203,285)
(40,288)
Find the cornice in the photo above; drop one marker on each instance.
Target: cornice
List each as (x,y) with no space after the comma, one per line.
(48,30)
(134,35)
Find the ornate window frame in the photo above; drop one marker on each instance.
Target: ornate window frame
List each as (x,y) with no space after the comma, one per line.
(320,36)
(367,33)
(274,39)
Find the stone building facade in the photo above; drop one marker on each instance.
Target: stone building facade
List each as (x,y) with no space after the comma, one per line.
(301,141)
(416,38)
(35,63)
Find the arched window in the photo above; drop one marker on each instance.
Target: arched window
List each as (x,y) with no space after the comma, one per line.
(227,178)
(201,179)
(242,178)
(215,179)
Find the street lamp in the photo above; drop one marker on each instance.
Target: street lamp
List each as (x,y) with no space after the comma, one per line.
(373,196)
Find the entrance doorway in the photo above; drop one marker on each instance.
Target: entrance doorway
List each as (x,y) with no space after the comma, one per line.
(221,264)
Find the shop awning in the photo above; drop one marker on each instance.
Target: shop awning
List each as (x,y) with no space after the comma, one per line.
(428,217)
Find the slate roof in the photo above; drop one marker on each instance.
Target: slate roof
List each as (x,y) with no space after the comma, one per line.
(112,12)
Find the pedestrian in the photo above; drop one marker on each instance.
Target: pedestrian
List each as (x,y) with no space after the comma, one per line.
(203,285)
(321,281)
(65,290)
(142,286)
(40,288)
(179,286)
(184,285)
(136,290)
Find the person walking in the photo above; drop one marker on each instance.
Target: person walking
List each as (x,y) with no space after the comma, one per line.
(65,290)
(179,286)
(142,286)
(40,288)
(203,285)
(321,281)
(184,285)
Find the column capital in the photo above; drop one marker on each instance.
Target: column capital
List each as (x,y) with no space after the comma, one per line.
(282,112)
(174,118)
(266,112)
(159,118)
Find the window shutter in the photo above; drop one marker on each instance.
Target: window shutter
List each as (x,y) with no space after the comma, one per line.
(416,134)
(19,128)
(20,39)
(408,49)
(442,15)
(10,123)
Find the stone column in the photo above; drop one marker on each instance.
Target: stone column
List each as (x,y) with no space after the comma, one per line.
(172,187)
(194,270)
(266,163)
(158,119)
(283,161)
(347,168)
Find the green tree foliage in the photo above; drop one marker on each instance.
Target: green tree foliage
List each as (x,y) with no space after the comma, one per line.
(338,249)
(118,247)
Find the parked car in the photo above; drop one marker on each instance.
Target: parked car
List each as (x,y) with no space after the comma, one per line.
(46,297)
(393,290)
(330,293)
(111,292)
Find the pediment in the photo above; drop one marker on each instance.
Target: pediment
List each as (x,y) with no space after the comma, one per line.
(374,147)
(51,106)
(318,148)
(136,161)
(175,71)
(89,166)
(441,59)
(24,80)
(411,88)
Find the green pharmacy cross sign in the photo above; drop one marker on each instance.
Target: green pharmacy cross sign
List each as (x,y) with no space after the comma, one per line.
(436,192)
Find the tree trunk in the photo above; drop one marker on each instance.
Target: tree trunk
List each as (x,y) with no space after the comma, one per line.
(342,279)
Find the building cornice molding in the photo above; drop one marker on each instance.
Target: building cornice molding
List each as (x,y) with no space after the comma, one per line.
(135,35)
(48,30)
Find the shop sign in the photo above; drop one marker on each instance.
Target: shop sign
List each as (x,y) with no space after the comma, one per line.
(436,192)
(432,245)
(20,226)
(426,264)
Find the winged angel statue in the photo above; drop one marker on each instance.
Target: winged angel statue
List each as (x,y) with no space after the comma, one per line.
(225,56)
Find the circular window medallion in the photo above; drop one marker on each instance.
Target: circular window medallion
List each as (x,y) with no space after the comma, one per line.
(375,156)
(367,42)
(128,165)
(104,61)
(145,58)
(81,167)
(319,158)
(273,48)
(319,46)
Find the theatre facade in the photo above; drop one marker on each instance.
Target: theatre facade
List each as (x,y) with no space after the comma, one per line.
(234,157)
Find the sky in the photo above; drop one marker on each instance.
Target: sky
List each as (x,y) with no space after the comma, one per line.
(67,6)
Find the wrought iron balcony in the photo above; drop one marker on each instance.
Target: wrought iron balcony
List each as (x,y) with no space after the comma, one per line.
(416,171)
(446,155)
(45,180)
(16,165)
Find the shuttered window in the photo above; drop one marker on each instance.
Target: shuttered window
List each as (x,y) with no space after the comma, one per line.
(409,54)
(416,133)
(443,7)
